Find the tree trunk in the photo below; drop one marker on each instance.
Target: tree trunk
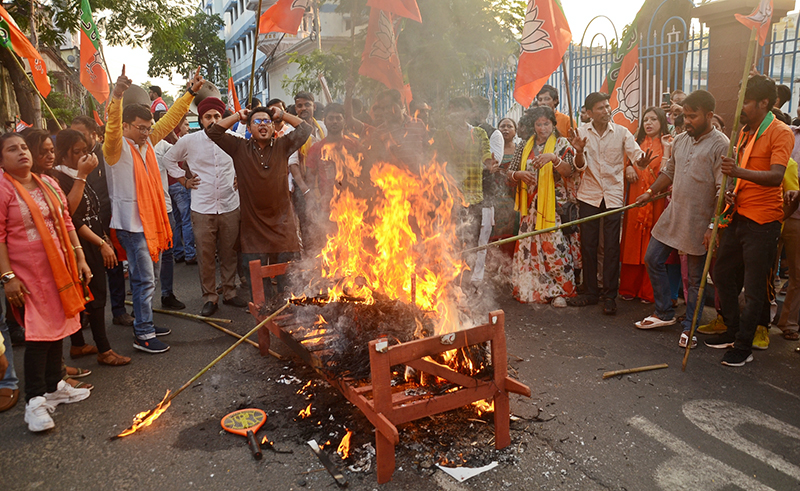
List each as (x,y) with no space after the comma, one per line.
(25,93)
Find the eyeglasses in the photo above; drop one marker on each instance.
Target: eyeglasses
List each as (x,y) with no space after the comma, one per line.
(143,129)
(261,121)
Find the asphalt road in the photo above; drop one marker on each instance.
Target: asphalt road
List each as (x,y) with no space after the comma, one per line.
(711,427)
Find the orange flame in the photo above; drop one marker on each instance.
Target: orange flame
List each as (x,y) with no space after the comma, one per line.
(344,445)
(146,418)
(265,440)
(483,407)
(320,320)
(305,412)
(303,389)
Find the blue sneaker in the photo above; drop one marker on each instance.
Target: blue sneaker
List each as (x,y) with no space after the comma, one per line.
(162,331)
(150,345)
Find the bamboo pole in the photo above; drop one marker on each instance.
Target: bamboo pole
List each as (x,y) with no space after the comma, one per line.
(21,67)
(247,340)
(751,49)
(255,50)
(614,373)
(563,225)
(184,314)
(569,95)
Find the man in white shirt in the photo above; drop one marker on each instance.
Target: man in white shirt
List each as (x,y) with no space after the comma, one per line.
(601,148)
(215,206)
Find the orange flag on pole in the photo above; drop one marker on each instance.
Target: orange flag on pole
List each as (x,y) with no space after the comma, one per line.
(761,19)
(12,38)
(403,8)
(545,39)
(284,16)
(93,73)
(380,61)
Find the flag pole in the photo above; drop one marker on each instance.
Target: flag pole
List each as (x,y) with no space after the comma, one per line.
(255,50)
(13,55)
(751,49)
(569,95)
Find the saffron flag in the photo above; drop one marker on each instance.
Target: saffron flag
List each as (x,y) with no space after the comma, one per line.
(22,125)
(93,73)
(233,101)
(380,61)
(545,39)
(402,8)
(12,38)
(760,19)
(622,81)
(284,16)
(97,118)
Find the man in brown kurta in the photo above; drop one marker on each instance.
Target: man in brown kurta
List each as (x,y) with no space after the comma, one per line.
(267,230)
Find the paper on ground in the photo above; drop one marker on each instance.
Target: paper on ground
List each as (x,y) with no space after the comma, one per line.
(461,474)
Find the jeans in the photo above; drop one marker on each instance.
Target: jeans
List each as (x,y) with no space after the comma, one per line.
(744,259)
(182,232)
(266,259)
(590,239)
(42,367)
(167,269)
(116,289)
(10,380)
(656,260)
(141,271)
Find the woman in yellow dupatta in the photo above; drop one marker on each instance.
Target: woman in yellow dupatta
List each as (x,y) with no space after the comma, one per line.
(653,136)
(42,267)
(543,269)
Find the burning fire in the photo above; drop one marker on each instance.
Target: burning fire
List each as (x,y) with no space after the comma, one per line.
(483,407)
(304,413)
(265,440)
(344,445)
(146,418)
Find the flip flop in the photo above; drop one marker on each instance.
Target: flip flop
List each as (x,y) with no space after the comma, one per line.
(652,322)
(80,372)
(791,335)
(78,385)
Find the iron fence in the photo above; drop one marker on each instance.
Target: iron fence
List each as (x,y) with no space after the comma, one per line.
(779,56)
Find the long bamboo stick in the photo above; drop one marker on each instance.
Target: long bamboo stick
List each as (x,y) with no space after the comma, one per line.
(13,55)
(184,314)
(563,225)
(255,51)
(237,336)
(751,49)
(634,370)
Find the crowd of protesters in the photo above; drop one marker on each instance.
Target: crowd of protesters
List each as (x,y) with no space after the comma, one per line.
(84,207)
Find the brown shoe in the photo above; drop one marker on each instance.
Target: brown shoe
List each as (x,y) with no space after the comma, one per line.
(79,351)
(112,359)
(8,399)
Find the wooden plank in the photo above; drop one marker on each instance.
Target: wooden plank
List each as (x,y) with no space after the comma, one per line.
(257,282)
(517,387)
(502,409)
(401,354)
(439,404)
(379,421)
(272,270)
(443,371)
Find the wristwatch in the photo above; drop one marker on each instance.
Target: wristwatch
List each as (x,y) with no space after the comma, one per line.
(189,90)
(6,277)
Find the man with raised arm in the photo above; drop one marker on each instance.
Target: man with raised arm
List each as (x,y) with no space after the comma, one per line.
(139,213)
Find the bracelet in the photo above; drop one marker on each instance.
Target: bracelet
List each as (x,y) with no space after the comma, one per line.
(75,248)
(80,179)
(513,173)
(6,274)
(102,243)
(307,191)
(649,191)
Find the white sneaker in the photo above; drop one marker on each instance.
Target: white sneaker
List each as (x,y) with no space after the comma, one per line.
(66,394)
(37,414)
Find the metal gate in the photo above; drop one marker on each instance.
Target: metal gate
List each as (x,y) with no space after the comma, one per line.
(779,57)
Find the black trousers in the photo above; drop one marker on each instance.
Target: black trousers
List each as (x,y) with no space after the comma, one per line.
(745,257)
(96,309)
(42,367)
(590,238)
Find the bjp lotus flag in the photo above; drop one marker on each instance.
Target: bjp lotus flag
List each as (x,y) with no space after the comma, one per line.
(545,39)
(402,8)
(380,61)
(93,74)
(622,80)
(12,38)
(233,100)
(760,19)
(284,16)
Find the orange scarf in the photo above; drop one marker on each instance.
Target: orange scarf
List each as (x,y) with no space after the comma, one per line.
(150,198)
(303,151)
(647,176)
(65,274)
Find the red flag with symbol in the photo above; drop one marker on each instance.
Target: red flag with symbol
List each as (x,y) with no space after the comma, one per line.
(233,100)
(760,19)
(622,80)
(11,37)
(284,16)
(545,39)
(21,125)
(93,73)
(403,8)
(380,61)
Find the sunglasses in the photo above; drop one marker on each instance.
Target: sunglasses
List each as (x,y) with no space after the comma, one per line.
(261,121)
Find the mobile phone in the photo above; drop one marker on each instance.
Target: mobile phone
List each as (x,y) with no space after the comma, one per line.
(665,98)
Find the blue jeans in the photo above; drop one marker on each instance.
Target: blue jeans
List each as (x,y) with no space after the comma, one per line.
(167,268)
(10,380)
(656,260)
(182,233)
(141,271)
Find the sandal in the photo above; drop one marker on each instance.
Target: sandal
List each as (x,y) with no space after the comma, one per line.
(791,335)
(77,384)
(582,301)
(652,322)
(75,372)
(79,351)
(112,359)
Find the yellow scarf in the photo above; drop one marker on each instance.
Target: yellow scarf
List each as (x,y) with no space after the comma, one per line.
(546,191)
(307,146)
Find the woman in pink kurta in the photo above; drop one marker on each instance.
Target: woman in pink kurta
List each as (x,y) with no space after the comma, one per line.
(42,273)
